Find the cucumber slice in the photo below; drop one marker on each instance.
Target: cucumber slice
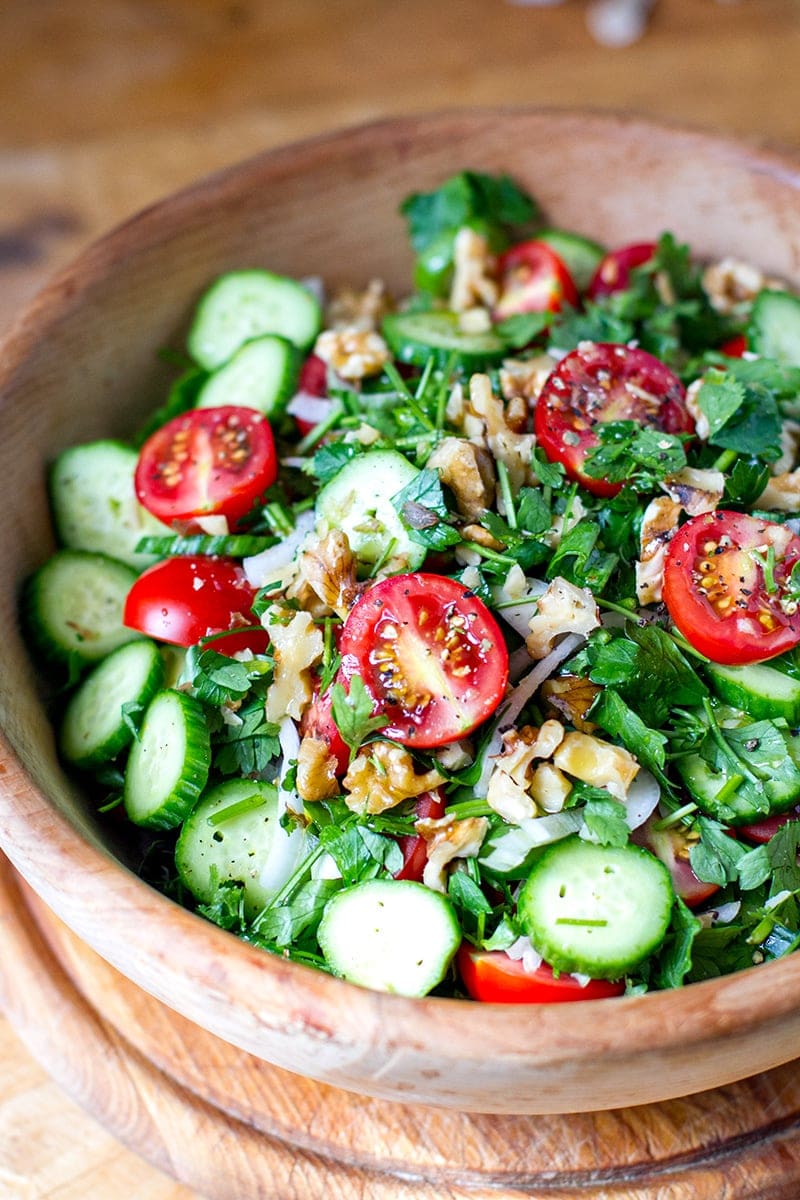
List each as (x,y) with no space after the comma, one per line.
(358,500)
(94,503)
(580,255)
(774,327)
(169,762)
(758,690)
(93,730)
(262,374)
(72,606)
(248,304)
(391,935)
(415,337)
(596,910)
(234,833)
(747,803)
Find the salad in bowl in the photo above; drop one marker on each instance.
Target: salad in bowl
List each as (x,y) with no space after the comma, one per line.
(448,643)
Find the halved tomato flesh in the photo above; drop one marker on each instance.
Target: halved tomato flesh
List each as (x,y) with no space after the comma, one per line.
(430,654)
(533,279)
(726,585)
(614,272)
(430,805)
(493,977)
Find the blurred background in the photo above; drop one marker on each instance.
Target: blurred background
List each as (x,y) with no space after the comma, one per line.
(105,105)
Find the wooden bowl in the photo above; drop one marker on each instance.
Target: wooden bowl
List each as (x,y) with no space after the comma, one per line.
(83,362)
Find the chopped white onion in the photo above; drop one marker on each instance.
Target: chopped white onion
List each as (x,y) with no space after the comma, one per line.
(523,951)
(308,407)
(517,610)
(642,799)
(260,568)
(794,524)
(214,524)
(507,849)
(581,980)
(316,285)
(516,701)
(726,912)
(289,740)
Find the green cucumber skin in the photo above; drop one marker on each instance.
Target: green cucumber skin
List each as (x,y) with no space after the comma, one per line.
(157,805)
(390,935)
(416,337)
(247,304)
(64,634)
(86,742)
(705,785)
(580,255)
(242,380)
(575,876)
(758,690)
(774,326)
(94,503)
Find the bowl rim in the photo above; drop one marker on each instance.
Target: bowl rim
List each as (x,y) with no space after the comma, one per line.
(723,1006)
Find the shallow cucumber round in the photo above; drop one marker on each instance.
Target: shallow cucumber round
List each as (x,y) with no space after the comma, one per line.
(758,689)
(415,337)
(596,910)
(169,762)
(248,304)
(358,500)
(262,374)
(580,255)
(94,730)
(94,502)
(390,935)
(234,834)
(774,326)
(72,606)
(748,803)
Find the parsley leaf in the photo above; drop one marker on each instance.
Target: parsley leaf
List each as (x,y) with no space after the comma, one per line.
(604,822)
(352,713)
(460,200)
(637,454)
(330,459)
(675,958)
(422,509)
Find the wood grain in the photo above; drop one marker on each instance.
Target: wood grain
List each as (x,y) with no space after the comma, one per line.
(142,1069)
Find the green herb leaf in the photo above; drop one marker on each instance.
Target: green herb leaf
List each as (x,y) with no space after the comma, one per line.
(605,823)
(352,712)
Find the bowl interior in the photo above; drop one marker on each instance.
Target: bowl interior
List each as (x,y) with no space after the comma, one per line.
(83,362)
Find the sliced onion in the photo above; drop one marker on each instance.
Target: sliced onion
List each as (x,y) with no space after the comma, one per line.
(316,285)
(308,407)
(506,849)
(516,701)
(642,798)
(523,950)
(289,740)
(518,614)
(260,568)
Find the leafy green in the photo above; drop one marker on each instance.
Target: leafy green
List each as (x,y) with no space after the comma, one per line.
(579,560)
(422,509)
(648,670)
(648,745)
(284,924)
(604,822)
(359,852)
(674,961)
(249,748)
(353,713)
(461,199)
(716,857)
(330,459)
(637,454)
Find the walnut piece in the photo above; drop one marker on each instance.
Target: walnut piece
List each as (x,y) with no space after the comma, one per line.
(485,423)
(381,776)
(473,269)
(447,839)
(468,471)
(327,567)
(316,770)
(297,645)
(353,353)
(597,762)
(350,309)
(563,608)
(732,285)
(571,696)
(782,493)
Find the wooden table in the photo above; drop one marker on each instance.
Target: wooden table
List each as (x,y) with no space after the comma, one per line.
(107,104)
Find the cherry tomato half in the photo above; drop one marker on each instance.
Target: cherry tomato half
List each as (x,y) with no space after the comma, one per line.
(533,279)
(762,831)
(491,976)
(672,847)
(431,655)
(614,272)
(183,600)
(415,848)
(605,382)
(725,580)
(208,461)
(735,347)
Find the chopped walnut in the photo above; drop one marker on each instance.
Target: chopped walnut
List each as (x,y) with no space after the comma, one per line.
(448,839)
(571,696)
(550,788)
(481,536)
(563,608)
(381,776)
(327,568)
(597,762)
(697,490)
(524,378)
(790,447)
(364,310)
(782,493)
(469,473)
(508,799)
(353,353)
(297,645)
(701,425)
(475,320)
(316,770)
(659,525)
(473,268)
(509,783)
(485,423)
(732,285)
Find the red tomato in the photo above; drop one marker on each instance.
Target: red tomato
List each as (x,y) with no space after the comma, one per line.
(672,847)
(762,831)
(605,382)
(491,976)
(533,279)
(431,655)
(314,382)
(614,271)
(735,347)
(317,722)
(718,593)
(414,848)
(182,600)
(208,461)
